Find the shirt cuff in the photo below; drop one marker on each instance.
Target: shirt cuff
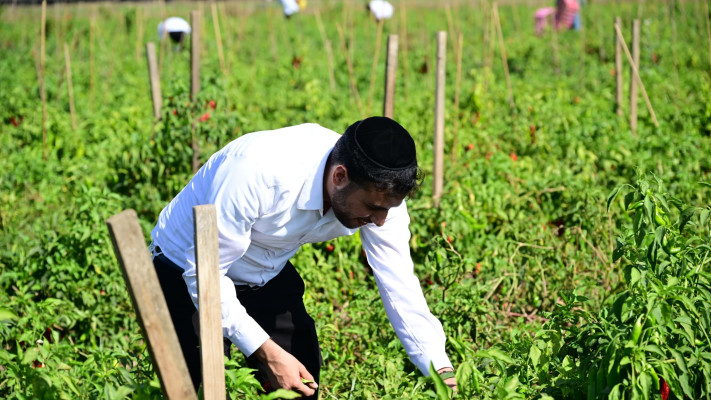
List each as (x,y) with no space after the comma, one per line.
(250,337)
(422,361)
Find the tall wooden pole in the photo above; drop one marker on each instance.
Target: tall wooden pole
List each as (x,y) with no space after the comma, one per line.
(195,79)
(633,82)
(390,73)
(92,34)
(708,27)
(455,133)
(329,51)
(154,79)
(376,58)
(70,89)
(218,38)
(504,59)
(618,67)
(139,34)
(43,91)
(403,39)
(351,74)
(207,259)
(439,117)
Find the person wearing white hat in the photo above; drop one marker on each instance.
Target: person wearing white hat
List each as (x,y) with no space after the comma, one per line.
(177,29)
(381,9)
(291,7)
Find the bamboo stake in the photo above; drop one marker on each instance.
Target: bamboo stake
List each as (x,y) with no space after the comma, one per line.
(43,92)
(373,70)
(708,27)
(92,33)
(438,170)
(207,260)
(229,38)
(674,53)
(633,82)
(390,74)
(618,68)
(70,89)
(351,75)
(194,55)
(195,80)
(455,134)
(451,29)
(139,34)
(154,79)
(218,38)
(329,51)
(504,59)
(635,70)
(556,51)
(403,38)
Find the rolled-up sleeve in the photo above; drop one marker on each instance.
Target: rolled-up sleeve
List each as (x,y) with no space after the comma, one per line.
(388,251)
(239,199)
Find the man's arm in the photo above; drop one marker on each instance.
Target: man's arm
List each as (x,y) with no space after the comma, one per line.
(388,251)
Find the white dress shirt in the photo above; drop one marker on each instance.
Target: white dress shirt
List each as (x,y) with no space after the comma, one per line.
(268,191)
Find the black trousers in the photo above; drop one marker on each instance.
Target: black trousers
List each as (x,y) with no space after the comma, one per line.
(277,307)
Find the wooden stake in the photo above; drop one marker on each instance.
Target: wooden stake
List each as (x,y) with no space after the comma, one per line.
(556,52)
(207,259)
(329,50)
(455,133)
(351,75)
(148,301)
(218,39)
(635,71)
(438,170)
(633,82)
(390,74)
(708,27)
(504,59)
(195,55)
(139,34)
(43,92)
(70,89)
(618,67)
(195,80)
(373,70)
(154,80)
(403,39)
(92,29)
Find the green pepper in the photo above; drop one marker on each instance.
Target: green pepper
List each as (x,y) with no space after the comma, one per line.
(636,331)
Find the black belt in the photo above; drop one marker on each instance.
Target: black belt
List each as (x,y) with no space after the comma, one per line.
(158,253)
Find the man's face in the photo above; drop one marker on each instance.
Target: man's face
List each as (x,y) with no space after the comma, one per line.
(355,206)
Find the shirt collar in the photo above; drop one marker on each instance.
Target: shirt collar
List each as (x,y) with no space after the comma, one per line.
(311,196)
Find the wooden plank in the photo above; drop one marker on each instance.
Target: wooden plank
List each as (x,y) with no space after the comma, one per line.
(633,82)
(154,78)
(618,67)
(390,74)
(194,55)
(208,274)
(438,170)
(149,303)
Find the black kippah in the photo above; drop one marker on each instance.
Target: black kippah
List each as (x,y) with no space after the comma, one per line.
(384,142)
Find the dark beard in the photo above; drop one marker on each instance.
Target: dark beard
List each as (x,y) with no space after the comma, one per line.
(339,207)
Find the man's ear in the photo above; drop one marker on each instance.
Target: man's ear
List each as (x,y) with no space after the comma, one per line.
(340,177)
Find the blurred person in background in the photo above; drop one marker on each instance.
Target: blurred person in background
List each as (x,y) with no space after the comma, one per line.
(291,7)
(562,16)
(176,28)
(380,9)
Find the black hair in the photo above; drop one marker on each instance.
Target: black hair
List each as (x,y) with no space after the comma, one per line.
(378,152)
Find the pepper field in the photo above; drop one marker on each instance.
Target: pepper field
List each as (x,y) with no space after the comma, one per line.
(569,256)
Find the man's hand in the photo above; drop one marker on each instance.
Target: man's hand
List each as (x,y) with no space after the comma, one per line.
(450,381)
(284,370)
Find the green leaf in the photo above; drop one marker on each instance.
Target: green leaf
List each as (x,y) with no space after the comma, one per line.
(281,394)
(7,315)
(704,216)
(443,391)
(612,195)
(685,217)
(535,355)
